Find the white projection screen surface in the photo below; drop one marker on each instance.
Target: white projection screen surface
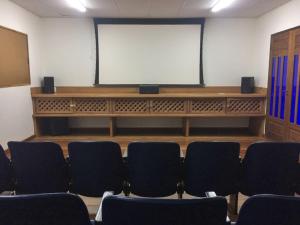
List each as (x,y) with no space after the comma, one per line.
(149,54)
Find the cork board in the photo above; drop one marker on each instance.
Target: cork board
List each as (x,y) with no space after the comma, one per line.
(14,58)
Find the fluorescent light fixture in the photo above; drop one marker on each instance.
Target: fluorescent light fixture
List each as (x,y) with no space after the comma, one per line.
(222,4)
(77,4)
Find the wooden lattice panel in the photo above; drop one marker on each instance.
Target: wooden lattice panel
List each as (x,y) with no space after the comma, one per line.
(91,105)
(53,105)
(168,106)
(245,105)
(208,105)
(130,106)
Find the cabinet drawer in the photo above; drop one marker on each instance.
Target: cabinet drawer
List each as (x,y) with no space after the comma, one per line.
(207,106)
(53,105)
(130,106)
(91,105)
(175,106)
(245,105)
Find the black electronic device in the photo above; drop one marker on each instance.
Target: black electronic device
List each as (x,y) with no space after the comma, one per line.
(247,85)
(149,89)
(48,86)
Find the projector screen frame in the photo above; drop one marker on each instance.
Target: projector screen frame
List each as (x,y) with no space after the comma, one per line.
(150,21)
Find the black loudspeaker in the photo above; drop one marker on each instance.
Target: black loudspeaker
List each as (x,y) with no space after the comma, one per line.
(55,126)
(48,86)
(247,85)
(149,89)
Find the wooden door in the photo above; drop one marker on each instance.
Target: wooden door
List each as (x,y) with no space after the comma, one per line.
(293,122)
(278,93)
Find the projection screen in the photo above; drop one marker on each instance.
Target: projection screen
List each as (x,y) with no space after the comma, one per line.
(164,54)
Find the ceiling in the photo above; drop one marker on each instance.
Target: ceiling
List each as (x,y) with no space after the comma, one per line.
(149,8)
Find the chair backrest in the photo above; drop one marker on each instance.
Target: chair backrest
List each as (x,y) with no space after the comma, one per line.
(270,210)
(95,167)
(298,181)
(212,166)
(43,209)
(270,168)
(39,167)
(6,175)
(154,211)
(153,168)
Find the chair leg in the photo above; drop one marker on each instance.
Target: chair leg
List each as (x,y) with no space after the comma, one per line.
(126,188)
(233,203)
(179,195)
(180,190)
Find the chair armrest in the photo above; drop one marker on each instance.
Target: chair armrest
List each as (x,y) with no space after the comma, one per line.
(210,194)
(98,218)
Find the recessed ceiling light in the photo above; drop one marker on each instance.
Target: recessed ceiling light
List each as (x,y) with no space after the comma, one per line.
(221,4)
(77,4)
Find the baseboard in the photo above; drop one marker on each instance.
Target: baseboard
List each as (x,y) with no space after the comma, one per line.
(29,138)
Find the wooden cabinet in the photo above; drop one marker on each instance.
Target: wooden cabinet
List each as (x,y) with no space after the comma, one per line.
(283,107)
(91,102)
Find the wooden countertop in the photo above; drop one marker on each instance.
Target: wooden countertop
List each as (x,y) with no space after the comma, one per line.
(137,95)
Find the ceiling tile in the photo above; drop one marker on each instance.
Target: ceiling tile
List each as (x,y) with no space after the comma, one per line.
(133,8)
(165,8)
(149,8)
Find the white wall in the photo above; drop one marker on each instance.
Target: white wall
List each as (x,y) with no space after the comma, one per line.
(282,18)
(16,108)
(69,51)
(228,51)
(232,47)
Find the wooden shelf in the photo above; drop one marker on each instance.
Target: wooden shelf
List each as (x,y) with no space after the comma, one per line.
(148,115)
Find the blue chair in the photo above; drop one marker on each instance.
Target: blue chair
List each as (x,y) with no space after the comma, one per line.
(212,166)
(95,167)
(153,168)
(270,168)
(150,211)
(43,209)
(6,174)
(270,210)
(39,167)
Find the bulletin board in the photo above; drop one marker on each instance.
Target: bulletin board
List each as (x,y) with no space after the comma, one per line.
(14,58)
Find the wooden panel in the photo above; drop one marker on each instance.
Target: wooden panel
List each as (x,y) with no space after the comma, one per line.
(14,58)
(275,130)
(91,105)
(280,41)
(294,135)
(53,105)
(217,105)
(297,40)
(239,105)
(168,106)
(130,106)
